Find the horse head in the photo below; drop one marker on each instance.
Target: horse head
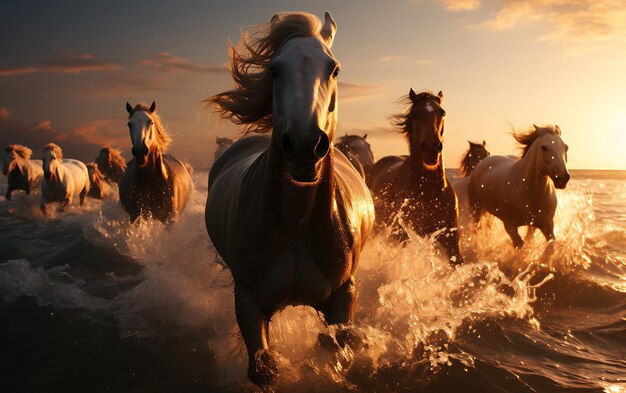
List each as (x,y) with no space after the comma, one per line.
(304,105)
(426,126)
(52,156)
(145,131)
(552,155)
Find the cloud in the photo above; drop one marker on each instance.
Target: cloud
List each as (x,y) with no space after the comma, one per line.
(460,5)
(389,59)
(354,91)
(167,62)
(71,63)
(127,84)
(578,26)
(82,142)
(5,113)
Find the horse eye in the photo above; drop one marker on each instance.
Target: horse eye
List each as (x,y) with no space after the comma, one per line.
(544,148)
(336,71)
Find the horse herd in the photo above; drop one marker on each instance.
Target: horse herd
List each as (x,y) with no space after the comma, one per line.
(290,208)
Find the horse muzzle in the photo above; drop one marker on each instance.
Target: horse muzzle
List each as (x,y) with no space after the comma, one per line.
(304,156)
(47,175)
(141,155)
(561,181)
(431,154)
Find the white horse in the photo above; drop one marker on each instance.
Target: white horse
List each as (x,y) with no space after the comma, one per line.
(64,179)
(521,191)
(22,172)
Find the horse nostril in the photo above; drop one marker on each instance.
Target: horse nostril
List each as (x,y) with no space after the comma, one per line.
(322,147)
(440,146)
(288,147)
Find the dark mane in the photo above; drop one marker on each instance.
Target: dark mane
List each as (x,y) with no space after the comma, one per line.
(526,138)
(21,150)
(347,139)
(250,102)
(401,122)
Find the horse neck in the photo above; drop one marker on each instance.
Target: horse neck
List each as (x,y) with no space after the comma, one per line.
(530,173)
(296,206)
(154,165)
(57,170)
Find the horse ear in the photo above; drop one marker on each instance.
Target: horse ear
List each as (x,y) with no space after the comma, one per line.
(484,143)
(275,19)
(412,94)
(329,29)
(129,108)
(153,107)
(557,129)
(365,137)
(536,127)
(440,95)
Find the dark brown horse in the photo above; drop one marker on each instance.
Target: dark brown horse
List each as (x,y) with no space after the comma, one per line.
(474,155)
(287,213)
(358,151)
(416,185)
(155,185)
(222,144)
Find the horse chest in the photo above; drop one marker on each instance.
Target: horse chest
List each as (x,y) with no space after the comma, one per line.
(292,280)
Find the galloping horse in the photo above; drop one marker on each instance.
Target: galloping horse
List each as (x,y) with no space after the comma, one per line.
(63,179)
(475,154)
(98,187)
(521,191)
(288,213)
(417,184)
(22,172)
(222,145)
(358,151)
(155,184)
(112,165)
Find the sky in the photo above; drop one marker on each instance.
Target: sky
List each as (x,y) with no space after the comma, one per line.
(68,67)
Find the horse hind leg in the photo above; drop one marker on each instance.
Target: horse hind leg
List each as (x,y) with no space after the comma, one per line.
(514,234)
(449,239)
(254,327)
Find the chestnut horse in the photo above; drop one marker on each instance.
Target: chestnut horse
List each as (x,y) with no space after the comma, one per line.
(520,191)
(112,165)
(287,213)
(155,185)
(416,186)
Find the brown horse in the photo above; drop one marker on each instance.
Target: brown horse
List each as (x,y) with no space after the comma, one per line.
(475,154)
(98,187)
(155,184)
(112,165)
(287,213)
(358,151)
(222,145)
(417,185)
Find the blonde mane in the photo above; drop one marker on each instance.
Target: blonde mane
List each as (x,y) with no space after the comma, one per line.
(250,102)
(114,156)
(526,138)
(54,148)
(21,150)
(163,138)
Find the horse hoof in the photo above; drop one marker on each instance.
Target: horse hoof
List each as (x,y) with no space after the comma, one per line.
(344,337)
(264,370)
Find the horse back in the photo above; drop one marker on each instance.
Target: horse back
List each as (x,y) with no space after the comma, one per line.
(383,169)
(179,179)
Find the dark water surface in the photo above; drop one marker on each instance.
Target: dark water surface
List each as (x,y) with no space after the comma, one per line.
(89,303)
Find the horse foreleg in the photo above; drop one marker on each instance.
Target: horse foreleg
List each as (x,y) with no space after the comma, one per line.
(8,194)
(42,206)
(548,231)
(339,309)
(82,196)
(515,237)
(254,327)
(449,239)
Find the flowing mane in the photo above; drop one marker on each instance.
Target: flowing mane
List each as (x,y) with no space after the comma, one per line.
(250,102)
(162,137)
(96,178)
(526,138)
(401,122)
(54,148)
(21,150)
(114,156)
